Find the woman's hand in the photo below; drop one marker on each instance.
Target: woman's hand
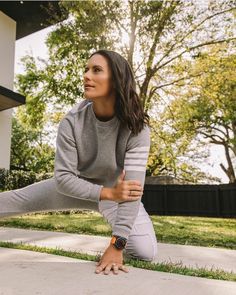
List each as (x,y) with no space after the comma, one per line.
(124,190)
(111,259)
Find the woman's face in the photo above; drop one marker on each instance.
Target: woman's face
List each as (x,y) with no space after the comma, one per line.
(97,78)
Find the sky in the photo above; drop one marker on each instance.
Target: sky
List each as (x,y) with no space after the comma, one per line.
(34,45)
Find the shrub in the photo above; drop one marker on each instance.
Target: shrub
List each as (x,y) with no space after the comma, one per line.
(14,179)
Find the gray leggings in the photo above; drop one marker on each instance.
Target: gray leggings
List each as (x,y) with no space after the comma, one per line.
(43,196)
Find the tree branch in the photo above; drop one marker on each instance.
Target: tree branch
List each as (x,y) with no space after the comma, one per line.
(155,68)
(191,31)
(213,140)
(153,89)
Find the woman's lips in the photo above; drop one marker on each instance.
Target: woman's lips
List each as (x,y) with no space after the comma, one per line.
(88,87)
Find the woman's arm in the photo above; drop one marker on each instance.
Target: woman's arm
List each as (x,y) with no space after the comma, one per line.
(66,163)
(135,169)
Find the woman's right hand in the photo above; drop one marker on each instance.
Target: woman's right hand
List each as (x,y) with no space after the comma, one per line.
(124,190)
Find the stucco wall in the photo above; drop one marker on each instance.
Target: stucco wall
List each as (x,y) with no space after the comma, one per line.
(7,56)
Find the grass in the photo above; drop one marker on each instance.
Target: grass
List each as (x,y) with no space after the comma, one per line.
(164,267)
(199,231)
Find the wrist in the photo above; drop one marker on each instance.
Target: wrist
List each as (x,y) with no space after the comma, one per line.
(115,249)
(105,193)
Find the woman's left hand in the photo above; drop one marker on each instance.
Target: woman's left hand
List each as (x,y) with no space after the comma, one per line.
(111,259)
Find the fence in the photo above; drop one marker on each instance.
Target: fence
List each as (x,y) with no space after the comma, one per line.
(190,200)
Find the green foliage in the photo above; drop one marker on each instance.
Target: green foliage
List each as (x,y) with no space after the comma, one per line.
(207,108)
(14,179)
(31,86)
(173,153)
(28,152)
(3,177)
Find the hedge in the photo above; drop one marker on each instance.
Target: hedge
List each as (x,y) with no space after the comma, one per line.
(14,179)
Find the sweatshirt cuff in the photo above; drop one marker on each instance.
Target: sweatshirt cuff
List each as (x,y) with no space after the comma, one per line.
(95,193)
(120,232)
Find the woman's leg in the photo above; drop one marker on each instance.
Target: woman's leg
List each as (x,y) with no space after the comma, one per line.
(43,196)
(37,197)
(142,242)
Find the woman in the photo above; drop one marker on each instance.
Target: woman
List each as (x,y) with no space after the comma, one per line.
(101,155)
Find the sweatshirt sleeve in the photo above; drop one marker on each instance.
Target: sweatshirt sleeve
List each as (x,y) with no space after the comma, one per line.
(136,157)
(66,163)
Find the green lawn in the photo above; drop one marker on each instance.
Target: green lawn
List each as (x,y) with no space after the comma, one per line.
(200,231)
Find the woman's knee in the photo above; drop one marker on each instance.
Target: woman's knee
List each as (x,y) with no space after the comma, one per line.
(142,247)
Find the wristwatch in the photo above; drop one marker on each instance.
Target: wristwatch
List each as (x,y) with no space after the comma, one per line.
(118,242)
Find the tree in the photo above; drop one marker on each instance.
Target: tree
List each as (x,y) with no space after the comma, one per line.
(173,153)
(207,108)
(28,152)
(152,35)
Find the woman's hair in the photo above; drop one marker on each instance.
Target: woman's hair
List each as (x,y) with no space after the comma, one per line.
(128,106)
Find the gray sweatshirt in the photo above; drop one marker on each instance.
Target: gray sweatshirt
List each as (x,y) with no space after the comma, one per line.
(91,154)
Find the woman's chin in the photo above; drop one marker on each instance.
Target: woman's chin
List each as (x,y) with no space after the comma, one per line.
(87,96)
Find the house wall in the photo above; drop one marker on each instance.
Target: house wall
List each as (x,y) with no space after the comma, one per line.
(7,57)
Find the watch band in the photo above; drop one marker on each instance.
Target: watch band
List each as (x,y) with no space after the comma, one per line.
(118,242)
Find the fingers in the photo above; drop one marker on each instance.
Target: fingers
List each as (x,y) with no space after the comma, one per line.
(135,189)
(131,195)
(133,182)
(120,267)
(124,268)
(133,186)
(127,190)
(109,267)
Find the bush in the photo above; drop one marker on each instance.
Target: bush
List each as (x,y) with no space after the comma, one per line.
(3,175)
(14,179)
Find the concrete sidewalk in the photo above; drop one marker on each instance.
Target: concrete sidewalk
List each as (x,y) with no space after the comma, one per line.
(30,273)
(191,256)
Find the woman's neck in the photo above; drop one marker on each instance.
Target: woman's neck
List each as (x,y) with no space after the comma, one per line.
(104,111)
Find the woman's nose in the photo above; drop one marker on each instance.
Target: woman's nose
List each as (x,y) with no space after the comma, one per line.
(87,76)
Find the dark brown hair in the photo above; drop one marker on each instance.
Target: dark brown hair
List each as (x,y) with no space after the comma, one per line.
(128,106)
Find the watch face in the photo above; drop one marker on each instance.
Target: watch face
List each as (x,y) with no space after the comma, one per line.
(120,243)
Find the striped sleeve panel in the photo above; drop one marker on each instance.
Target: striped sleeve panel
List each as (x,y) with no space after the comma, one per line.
(136,159)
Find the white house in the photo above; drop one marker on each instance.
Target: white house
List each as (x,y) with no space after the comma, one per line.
(17,19)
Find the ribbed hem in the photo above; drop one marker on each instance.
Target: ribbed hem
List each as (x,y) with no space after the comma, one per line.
(120,232)
(95,192)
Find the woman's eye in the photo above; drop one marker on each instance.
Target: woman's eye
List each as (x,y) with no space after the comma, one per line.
(95,70)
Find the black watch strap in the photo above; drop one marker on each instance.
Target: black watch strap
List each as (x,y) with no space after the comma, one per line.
(118,242)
